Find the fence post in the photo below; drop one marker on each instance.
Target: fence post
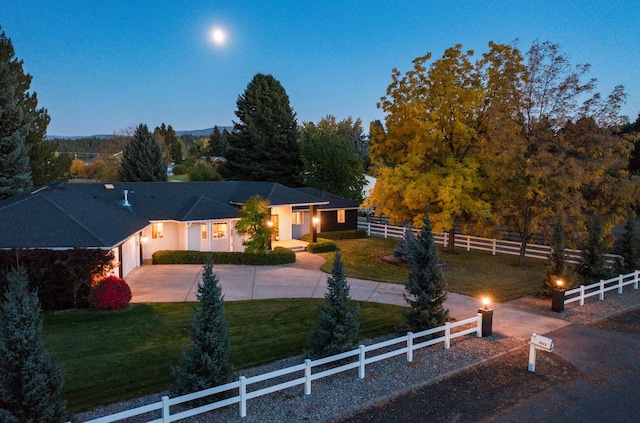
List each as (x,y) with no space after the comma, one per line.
(620,284)
(445,238)
(409,347)
(361,358)
(447,335)
(386,228)
(493,250)
(601,296)
(468,242)
(479,328)
(368,228)
(165,409)
(581,295)
(243,396)
(635,279)
(307,377)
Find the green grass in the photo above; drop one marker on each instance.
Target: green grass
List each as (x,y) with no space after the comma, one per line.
(114,356)
(473,273)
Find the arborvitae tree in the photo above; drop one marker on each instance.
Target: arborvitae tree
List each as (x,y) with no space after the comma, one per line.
(15,176)
(142,158)
(557,266)
(337,329)
(253,223)
(426,285)
(30,382)
(206,364)
(629,248)
(593,262)
(45,166)
(263,145)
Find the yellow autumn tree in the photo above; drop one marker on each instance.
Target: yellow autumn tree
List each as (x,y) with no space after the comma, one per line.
(441,120)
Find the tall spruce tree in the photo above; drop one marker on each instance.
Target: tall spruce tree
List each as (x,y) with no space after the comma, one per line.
(593,262)
(425,288)
(15,176)
(44,165)
(30,382)
(557,265)
(142,158)
(337,329)
(207,363)
(263,144)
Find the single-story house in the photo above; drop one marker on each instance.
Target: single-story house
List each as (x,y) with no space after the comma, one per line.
(136,219)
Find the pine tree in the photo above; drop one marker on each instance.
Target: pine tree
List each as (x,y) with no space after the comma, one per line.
(30,382)
(142,158)
(206,364)
(593,262)
(263,145)
(426,285)
(557,266)
(15,176)
(43,163)
(337,327)
(629,248)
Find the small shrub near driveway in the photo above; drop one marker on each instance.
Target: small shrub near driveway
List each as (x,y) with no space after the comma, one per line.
(110,293)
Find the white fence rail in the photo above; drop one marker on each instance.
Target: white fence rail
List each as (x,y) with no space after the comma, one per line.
(302,374)
(599,288)
(495,246)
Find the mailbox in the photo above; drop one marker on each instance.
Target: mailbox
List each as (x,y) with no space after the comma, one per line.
(542,342)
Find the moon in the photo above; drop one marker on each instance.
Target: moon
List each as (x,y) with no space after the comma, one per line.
(218,36)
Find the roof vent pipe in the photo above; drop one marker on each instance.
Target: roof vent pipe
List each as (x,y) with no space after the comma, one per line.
(126,199)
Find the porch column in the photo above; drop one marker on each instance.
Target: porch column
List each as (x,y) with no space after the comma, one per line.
(312,227)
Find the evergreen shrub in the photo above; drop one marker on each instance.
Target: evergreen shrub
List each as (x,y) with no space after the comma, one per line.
(322,246)
(110,293)
(338,235)
(279,255)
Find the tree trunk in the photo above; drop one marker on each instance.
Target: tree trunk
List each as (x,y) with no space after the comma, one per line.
(525,234)
(452,240)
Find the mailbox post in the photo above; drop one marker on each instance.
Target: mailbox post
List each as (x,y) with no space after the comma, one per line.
(538,342)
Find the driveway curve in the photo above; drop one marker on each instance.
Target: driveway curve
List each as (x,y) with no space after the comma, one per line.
(304,279)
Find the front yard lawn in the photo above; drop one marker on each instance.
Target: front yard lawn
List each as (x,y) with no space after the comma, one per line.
(115,356)
(473,273)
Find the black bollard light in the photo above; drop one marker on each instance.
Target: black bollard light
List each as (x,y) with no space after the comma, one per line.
(487,318)
(557,297)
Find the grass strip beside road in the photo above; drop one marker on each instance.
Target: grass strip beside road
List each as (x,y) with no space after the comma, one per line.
(115,356)
(473,273)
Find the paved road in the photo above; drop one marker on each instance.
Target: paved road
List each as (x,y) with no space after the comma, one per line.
(303,279)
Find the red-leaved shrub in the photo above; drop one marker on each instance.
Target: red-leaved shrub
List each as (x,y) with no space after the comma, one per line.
(110,293)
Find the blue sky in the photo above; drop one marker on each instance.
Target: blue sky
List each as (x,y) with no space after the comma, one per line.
(102,66)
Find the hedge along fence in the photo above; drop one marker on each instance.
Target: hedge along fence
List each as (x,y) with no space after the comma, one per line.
(279,255)
(62,278)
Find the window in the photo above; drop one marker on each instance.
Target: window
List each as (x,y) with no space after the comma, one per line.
(219,231)
(157,231)
(297,218)
(203,230)
(341,216)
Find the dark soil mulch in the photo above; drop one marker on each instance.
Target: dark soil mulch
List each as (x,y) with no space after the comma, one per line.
(473,395)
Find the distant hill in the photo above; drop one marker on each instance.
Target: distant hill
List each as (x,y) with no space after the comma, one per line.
(194,132)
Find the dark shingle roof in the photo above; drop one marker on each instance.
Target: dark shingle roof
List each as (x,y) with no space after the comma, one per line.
(334,201)
(67,215)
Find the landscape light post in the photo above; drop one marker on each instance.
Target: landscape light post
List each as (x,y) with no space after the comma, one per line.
(557,297)
(487,318)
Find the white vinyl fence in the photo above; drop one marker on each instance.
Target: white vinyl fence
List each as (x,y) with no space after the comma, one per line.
(599,288)
(495,246)
(303,374)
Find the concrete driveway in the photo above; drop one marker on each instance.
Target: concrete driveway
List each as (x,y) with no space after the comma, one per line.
(304,279)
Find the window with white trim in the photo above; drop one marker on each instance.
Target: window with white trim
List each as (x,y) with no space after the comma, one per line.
(203,230)
(157,230)
(219,231)
(341,216)
(297,218)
